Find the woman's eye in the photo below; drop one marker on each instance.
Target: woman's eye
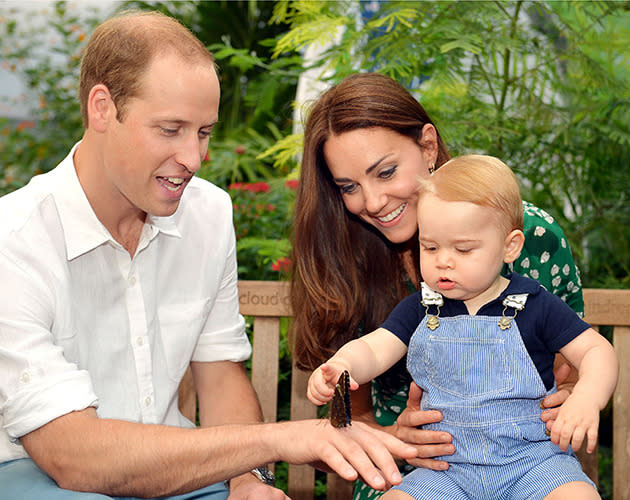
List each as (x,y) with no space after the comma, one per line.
(347,188)
(386,174)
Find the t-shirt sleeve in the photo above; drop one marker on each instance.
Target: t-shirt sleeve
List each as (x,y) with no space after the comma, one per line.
(405,318)
(560,323)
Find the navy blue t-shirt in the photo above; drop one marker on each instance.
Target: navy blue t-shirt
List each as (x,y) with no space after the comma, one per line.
(546,324)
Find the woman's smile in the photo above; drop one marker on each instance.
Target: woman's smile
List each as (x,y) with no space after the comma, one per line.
(393,214)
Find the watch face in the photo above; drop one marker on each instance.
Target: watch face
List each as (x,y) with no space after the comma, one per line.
(265,475)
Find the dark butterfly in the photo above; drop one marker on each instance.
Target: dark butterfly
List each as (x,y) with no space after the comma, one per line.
(340,412)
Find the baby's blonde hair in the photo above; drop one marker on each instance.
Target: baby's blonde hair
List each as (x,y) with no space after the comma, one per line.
(483,180)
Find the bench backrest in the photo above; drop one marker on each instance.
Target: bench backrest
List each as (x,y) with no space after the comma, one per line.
(268,301)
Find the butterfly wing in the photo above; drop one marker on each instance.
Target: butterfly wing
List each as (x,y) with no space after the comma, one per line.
(340,412)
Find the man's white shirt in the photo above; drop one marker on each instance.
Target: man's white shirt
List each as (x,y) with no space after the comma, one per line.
(82,323)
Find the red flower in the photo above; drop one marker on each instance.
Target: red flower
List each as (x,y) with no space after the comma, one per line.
(240,149)
(25,124)
(257,187)
(292,184)
(236,186)
(283,264)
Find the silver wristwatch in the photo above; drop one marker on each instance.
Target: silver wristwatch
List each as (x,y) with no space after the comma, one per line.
(265,475)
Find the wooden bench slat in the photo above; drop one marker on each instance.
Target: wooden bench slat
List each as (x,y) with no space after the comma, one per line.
(607,307)
(621,415)
(264,298)
(301,477)
(265,365)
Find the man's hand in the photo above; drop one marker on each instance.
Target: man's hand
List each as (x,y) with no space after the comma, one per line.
(353,451)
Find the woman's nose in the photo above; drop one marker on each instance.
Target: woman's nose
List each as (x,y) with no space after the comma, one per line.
(374,200)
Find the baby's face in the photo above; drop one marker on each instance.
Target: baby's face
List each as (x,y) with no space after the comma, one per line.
(462,247)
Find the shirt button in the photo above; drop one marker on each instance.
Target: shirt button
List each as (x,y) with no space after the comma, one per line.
(26,377)
(140,341)
(132,281)
(148,401)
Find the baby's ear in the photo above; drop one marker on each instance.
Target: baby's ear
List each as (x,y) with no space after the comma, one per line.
(514,242)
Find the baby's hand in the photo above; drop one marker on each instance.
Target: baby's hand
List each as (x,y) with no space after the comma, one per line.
(578,418)
(321,384)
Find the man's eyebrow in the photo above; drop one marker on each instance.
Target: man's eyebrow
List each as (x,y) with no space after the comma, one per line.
(180,122)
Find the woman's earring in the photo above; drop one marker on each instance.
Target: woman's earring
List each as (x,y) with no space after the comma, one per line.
(432,168)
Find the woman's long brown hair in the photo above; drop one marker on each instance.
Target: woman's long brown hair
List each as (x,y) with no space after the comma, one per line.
(346,274)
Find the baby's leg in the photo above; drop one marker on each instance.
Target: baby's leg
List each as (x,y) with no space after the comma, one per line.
(576,490)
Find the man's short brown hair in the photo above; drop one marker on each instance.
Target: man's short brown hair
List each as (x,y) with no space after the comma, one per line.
(121,49)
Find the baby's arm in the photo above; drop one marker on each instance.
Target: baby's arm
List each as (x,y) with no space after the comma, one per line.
(598,368)
(364,358)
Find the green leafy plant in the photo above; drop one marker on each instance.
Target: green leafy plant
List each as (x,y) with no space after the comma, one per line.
(262,221)
(49,75)
(543,85)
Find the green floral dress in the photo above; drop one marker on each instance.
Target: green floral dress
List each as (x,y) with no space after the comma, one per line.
(546,257)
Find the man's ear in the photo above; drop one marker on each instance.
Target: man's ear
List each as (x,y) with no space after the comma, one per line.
(100,107)
(514,242)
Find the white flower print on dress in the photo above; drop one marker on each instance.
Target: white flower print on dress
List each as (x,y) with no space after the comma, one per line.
(525,263)
(544,257)
(556,281)
(539,231)
(566,269)
(554,269)
(535,274)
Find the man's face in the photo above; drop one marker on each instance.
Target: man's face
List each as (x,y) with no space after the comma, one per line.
(153,153)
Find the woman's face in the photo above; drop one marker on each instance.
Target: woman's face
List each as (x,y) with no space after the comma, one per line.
(377,171)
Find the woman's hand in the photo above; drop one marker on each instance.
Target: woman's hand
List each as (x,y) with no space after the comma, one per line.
(565,377)
(428,443)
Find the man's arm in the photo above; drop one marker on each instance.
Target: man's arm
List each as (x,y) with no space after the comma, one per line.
(226,396)
(82,452)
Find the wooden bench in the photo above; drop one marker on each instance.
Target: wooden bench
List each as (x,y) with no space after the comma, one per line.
(268,301)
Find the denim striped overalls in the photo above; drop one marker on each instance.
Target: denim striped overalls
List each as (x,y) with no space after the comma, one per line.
(476,370)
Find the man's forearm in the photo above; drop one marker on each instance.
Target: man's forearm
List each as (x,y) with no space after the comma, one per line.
(85,453)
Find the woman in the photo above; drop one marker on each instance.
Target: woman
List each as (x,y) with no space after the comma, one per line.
(355,248)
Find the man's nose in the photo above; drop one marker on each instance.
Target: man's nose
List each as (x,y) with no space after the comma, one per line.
(190,153)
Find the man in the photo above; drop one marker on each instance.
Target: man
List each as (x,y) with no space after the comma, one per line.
(119,269)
